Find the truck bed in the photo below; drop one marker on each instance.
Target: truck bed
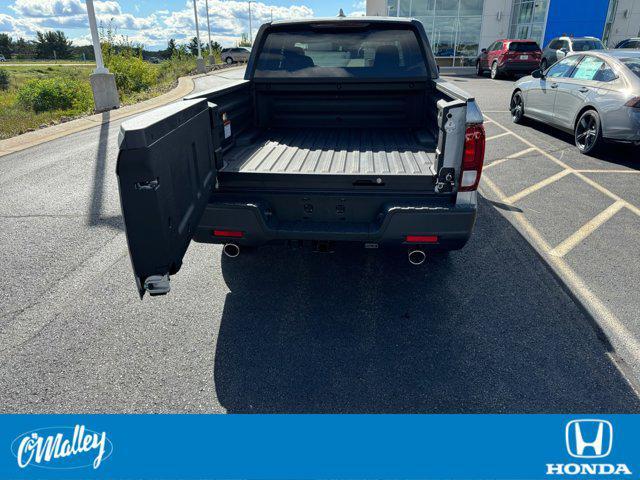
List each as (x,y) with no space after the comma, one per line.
(339,151)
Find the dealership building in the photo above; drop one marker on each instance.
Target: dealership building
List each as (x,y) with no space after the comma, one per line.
(457,29)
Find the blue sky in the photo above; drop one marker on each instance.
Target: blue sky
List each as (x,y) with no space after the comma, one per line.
(152,23)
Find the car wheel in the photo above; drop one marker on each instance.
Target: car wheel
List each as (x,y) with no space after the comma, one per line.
(517,107)
(494,70)
(228,60)
(588,132)
(543,64)
(479,70)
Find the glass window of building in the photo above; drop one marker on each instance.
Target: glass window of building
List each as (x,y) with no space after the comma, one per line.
(452,26)
(528,19)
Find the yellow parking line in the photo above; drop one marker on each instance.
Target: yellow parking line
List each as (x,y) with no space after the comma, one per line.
(577,173)
(514,155)
(498,135)
(534,188)
(587,229)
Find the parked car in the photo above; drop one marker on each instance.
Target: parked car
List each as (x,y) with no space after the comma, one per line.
(595,96)
(629,43)
(560,47)
(2,59)
(509,56)
(335,135)
(233,55)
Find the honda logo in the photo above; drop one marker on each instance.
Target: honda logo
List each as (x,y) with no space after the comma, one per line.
(589,438)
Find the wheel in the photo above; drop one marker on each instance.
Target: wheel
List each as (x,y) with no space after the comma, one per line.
(543,64)
(228,60)
(479,70)
(517,107)
(494,71)
(588,132)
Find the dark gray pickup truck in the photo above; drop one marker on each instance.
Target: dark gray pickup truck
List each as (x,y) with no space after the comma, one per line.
(342,131)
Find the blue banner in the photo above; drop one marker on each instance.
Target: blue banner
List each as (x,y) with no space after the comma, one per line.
(319,446)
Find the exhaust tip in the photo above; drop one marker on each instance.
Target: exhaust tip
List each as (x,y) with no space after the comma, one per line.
(417,256)
(231,250)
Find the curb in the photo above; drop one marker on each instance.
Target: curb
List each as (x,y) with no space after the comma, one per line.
(37,137)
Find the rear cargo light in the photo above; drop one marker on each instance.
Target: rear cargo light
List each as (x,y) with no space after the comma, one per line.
(422,239)
(633,103)
(228,233)
(473,158)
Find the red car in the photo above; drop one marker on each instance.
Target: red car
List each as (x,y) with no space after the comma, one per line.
(507,57)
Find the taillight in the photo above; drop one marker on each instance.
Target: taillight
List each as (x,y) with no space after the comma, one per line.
(228,233)
(633,103)
(473,158)
(421,239)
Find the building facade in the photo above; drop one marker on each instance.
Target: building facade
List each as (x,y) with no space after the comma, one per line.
(458,29)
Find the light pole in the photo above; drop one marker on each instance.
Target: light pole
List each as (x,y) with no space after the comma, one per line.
(103,83)
(250,31)
(211,59)
(199,61)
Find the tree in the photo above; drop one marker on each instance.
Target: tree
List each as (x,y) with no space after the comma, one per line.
(53,45)
(172,48)
(216,47)
(244,41)
(193,46)
(6,45)
(24,48)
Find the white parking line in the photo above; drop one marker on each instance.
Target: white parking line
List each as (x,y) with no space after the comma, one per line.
(498,136)
(587,229)
(534,188)
(510,157)
(604,170)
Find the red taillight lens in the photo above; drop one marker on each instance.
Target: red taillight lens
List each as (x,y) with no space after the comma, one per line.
(633,103)
(422,239)
(228,233)
(473,158)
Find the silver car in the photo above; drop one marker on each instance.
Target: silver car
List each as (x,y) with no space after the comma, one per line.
(560,47)
(595,96)
(233,55)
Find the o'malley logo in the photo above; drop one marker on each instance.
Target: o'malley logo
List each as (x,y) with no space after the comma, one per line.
(589,441)
(61,448)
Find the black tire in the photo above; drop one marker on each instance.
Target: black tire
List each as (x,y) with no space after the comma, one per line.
(495,72)
(588,133)
(516,107)
(479,69)
(228,60)
(543,64)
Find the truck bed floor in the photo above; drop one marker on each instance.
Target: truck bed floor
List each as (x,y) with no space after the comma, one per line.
(334,151)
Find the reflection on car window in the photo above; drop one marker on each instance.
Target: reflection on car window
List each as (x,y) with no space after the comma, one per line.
(632,64)
(592,68)
(563,68)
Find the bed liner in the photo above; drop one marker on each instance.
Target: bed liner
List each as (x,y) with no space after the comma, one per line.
(334,151)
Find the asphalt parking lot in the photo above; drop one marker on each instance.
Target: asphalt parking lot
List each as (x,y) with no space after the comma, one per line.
(492,328)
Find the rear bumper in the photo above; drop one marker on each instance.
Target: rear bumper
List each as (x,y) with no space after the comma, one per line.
(519,67)
(453,225)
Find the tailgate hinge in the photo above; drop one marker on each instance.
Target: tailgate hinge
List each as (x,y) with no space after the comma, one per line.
(157,284)
(446,180)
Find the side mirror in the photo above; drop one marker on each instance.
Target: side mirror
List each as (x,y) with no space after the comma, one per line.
(484,50)
(537,74)
(564,50)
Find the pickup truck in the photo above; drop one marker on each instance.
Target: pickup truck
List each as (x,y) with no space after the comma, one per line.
(341,131)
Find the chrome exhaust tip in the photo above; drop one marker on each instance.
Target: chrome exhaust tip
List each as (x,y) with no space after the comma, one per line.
(231,250)
(417,256)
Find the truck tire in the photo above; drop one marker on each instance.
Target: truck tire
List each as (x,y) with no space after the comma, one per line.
(588,133)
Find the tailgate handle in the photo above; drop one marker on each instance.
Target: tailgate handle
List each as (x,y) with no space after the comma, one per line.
(368,182)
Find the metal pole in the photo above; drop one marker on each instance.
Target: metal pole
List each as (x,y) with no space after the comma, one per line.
(208,28)
(195,13)
(93,26)
(250,31)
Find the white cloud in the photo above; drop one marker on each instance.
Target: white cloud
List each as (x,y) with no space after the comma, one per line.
(229,19)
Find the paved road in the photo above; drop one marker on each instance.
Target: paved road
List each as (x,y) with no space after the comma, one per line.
(487,329)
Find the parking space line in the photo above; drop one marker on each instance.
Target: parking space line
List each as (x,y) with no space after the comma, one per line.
(534,188)
(493,137)
(587,229)
(577,173)
(512,156)
(609,171)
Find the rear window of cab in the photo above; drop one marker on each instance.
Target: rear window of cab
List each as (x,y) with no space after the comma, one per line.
(341,52)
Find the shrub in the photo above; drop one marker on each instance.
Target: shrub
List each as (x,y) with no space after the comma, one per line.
(132,73)
(4,79)
(47,94)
